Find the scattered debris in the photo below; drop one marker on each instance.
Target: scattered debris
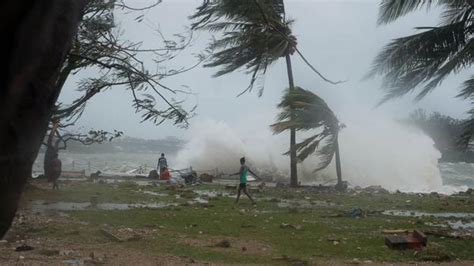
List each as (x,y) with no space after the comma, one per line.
(23,247)
(357,213)
(342,186)
(291,226)
(95,175)
(414,240)
(447,233)
(110,236)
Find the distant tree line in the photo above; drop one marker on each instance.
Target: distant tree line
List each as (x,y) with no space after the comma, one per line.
(168,145)
(445,132)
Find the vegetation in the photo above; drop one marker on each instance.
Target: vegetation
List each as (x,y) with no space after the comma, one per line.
(255,34)
(425,59)
(304,111)
(444,130)
(121,64)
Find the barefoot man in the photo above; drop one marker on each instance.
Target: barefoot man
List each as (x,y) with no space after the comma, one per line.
(243,180)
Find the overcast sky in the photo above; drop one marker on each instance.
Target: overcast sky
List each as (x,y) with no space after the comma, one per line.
(340,38)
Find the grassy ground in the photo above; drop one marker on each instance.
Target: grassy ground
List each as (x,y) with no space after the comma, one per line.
(286,225)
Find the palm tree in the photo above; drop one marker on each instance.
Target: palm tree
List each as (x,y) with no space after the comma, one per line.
(255,34)
(304,111)
(425,59)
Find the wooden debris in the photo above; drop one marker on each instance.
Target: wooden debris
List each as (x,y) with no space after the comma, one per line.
(413,240)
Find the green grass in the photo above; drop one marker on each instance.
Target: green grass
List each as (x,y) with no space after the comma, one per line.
(83,192)
(223,219)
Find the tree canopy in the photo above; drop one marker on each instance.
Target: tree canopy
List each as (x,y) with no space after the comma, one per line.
(303,110)
(98,45)
(423,60)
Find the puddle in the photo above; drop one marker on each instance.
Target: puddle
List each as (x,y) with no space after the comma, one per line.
(304,204)
(43,207)
(201,201)
(153,193)
(212,194)
(429,214)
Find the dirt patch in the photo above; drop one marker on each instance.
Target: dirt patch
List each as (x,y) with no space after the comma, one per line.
(235,245)
(107,254)
(64,250)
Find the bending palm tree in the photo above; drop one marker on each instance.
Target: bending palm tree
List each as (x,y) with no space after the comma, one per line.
(255,35)
(427,58)
(304,110)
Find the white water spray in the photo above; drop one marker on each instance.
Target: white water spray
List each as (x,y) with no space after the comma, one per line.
(374,151)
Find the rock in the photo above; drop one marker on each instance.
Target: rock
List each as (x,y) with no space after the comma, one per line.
(223,244)
(357,213)
(376,189)
(3,242)
(23,247)
(206,178)
(291,226)
(95,175)
(153,175)
(69,253)
(111,236)
(280,185)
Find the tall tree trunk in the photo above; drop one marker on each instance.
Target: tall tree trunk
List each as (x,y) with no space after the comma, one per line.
(293,161)
(338,166)
(36,36)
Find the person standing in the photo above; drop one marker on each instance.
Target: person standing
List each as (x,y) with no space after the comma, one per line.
(162,164)
(56,168)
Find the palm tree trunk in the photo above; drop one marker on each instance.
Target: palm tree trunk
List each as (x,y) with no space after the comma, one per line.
(36,36)
(338,166)
(293,161)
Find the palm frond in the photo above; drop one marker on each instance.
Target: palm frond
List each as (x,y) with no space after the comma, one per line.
(303,111)
(391,10)
(248,42)
(467,89)
(424,57)
(326,154)
(430,56)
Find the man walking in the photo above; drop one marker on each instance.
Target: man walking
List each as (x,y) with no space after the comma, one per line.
(243,180)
